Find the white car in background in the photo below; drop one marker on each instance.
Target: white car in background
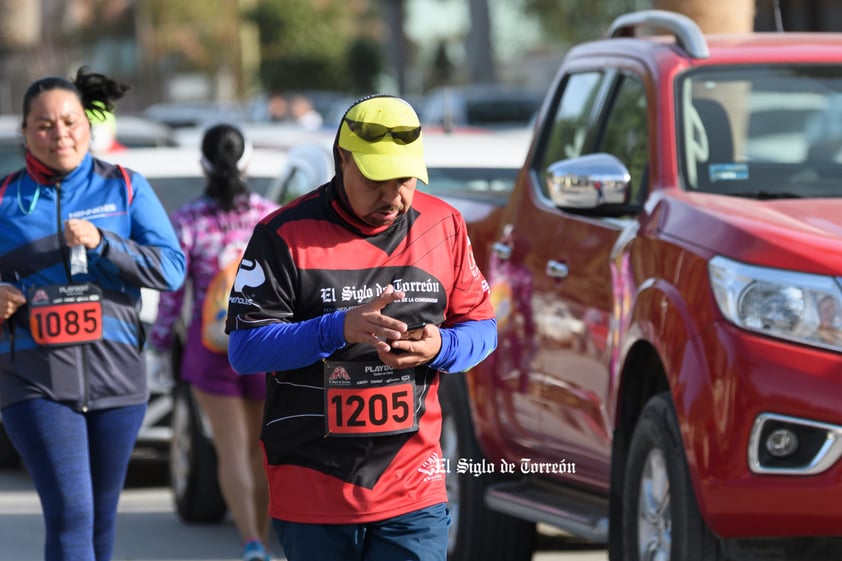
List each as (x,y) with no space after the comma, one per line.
(174,428)
(488,106)
(132,132)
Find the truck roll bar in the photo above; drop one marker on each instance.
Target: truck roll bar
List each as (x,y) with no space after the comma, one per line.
(687,33)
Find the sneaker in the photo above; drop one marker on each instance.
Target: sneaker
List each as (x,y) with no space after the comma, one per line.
(254,551)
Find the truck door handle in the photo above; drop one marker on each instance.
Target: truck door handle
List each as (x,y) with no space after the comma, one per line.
(502,250)
(557,270)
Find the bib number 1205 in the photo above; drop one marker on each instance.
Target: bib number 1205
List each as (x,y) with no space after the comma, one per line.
(375,410)
(368,399)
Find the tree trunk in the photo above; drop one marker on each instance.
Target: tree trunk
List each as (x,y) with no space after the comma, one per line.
(714,16)
(20,24)
(20,35)
(721,16)
(479,45)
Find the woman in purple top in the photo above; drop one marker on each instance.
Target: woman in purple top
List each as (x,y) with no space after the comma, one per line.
(213,231)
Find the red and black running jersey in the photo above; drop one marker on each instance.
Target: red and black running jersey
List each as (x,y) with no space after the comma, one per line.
(336,454)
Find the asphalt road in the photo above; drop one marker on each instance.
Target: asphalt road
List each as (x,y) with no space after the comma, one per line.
(149,530)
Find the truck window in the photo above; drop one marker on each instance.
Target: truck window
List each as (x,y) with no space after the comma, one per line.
(625,133)
(768,131)
(570,125)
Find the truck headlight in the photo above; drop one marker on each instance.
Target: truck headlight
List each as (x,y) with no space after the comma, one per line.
(801,307)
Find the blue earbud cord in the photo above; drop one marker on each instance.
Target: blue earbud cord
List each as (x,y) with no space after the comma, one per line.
(34,198)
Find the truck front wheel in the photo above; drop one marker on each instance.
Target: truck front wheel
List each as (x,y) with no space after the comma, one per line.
(661,519)
(475,531)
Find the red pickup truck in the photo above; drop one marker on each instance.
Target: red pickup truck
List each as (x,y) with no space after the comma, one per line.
(667,278)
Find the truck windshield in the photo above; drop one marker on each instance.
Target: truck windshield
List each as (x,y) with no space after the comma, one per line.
(764,131)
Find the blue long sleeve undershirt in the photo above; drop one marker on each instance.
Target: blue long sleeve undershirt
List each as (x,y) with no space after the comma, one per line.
(287,346)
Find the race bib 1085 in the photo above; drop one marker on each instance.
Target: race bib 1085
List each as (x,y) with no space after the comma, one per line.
(65,314)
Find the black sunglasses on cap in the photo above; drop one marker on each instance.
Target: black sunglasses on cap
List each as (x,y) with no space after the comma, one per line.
(372,132)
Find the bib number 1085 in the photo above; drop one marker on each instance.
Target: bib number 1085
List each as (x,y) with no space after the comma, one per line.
(66,324)
(65,314)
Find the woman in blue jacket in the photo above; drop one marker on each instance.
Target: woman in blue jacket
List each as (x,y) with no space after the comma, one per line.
(80,238)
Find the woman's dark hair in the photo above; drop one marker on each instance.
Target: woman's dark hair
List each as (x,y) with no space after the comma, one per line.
(96,92)
(225,152)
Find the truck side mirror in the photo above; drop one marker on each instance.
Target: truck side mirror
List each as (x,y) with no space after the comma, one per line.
(588,181)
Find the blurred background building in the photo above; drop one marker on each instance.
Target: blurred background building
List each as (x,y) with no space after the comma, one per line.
(234,50)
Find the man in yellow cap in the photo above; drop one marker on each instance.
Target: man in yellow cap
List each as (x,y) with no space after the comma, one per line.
(355,299)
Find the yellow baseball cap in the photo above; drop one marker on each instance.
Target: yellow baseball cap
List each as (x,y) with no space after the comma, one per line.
(383,133)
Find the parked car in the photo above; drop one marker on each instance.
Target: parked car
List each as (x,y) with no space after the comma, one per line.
(480,106)
(179,114)
(280,136)
(132,132)
(666,277)
(323,101)
(174,429)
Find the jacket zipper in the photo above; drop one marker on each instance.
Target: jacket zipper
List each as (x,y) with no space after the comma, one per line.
(65,258)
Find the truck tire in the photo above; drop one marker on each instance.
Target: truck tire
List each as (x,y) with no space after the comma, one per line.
(661,518)
(475,531)
(9,457)
(192,459)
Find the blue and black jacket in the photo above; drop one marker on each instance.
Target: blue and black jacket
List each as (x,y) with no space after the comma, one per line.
(139,249)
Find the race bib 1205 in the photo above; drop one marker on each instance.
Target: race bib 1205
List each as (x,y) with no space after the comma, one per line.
(368,399)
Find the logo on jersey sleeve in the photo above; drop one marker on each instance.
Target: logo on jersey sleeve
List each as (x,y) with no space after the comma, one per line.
(249,275)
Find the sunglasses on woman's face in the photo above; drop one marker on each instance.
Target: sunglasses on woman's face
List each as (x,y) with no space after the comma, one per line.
(372,132)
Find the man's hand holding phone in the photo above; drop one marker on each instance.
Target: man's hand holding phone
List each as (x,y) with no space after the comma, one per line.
(414,331)
(419,344)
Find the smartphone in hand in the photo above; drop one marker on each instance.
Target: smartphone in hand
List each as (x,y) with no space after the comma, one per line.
(414,331)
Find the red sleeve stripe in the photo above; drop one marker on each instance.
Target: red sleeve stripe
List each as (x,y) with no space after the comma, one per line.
(128,183)
(6,184)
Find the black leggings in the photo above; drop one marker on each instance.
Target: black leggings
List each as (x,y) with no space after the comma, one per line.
(78,463)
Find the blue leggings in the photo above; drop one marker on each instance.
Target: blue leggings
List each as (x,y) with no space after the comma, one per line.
(416,536)
(78,463)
